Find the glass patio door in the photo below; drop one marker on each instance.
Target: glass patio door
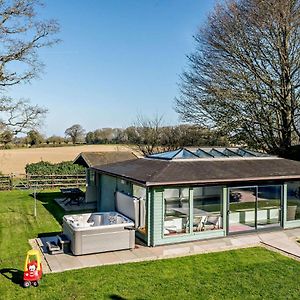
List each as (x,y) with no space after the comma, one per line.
(254,208)
(268,206)
(242,209)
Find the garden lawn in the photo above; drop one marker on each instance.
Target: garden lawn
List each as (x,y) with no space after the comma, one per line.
(254,273)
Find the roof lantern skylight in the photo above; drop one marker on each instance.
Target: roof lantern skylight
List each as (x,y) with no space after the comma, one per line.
(175,154)
(206,153)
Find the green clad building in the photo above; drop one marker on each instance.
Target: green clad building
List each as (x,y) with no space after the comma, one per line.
(194,194)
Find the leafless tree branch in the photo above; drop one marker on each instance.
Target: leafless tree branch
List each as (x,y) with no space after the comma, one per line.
(244,76)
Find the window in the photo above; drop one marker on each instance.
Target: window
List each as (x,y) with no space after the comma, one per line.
(268,206)
(207,208)
(176,214)
(254,207)
(293,201)
(206,213)
(138,191)
(124,186)
(91,177)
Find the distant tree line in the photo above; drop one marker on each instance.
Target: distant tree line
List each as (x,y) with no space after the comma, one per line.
(147,135)
(150,136)
(106,136)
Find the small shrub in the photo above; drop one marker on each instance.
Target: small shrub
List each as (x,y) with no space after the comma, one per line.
(8,146)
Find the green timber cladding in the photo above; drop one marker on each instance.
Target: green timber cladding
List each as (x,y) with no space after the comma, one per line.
(259,179)
(155,205)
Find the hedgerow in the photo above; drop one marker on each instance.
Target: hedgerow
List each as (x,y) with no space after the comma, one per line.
(47,168)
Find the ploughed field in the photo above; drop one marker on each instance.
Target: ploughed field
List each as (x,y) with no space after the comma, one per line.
(253,273)
(15,160)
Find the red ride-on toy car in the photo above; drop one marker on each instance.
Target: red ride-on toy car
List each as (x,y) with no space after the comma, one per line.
(33,269)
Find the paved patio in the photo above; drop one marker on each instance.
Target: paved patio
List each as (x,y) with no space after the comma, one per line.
(283,241)
(74,207)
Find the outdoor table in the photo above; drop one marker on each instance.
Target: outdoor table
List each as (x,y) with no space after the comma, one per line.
(72,195)
(196,211)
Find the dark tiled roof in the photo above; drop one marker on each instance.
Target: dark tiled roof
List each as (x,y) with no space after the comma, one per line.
(90,159)
(152,172)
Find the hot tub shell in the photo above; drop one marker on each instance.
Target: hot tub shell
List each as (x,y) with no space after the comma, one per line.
(99,232)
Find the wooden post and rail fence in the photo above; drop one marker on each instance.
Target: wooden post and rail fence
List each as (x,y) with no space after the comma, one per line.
(30,181)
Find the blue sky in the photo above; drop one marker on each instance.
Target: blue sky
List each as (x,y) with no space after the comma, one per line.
(117,59)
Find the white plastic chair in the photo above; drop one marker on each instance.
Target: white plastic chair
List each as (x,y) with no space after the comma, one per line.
(212,222)
(198,223)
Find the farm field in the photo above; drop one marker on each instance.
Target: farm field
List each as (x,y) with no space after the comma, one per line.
(15,160)
(253,273)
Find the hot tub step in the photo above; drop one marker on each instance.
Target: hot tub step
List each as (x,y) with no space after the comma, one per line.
(54,248)
(61,245)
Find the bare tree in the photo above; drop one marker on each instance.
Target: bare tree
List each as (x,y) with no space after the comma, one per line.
(174,137)
(22,34)
(145,134)
(75,132)
(20,115)
(244,76)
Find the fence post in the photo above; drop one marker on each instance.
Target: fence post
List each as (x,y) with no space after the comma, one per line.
(11,181)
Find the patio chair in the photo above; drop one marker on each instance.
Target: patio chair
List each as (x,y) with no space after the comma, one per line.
(80,197)
(198,223)
(212,222)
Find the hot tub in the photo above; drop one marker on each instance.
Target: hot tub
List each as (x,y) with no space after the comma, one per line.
(99,232)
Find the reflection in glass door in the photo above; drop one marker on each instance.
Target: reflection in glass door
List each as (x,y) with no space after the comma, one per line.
(252,208)
(242,208)
(268,206)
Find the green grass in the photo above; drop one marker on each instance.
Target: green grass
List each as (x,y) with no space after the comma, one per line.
(254,273)
(18,224)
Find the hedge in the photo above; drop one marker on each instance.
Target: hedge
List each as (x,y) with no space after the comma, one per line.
(47,168)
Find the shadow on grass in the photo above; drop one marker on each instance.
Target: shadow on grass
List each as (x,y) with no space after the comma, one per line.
(47,200)
(49,234)
(14,275)
(116,297)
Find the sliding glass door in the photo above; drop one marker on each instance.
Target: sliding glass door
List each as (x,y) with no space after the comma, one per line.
(252,208)
(242,209)
(268,206)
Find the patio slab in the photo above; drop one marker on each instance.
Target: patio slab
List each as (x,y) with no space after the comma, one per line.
(89,260)
(52,261)
(69,262)
(283,241)
(107,258)
(126,256)
(144,253)
(83,206)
